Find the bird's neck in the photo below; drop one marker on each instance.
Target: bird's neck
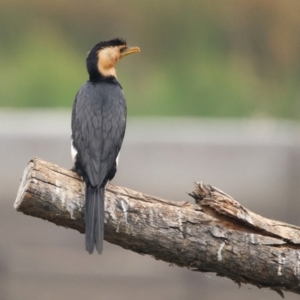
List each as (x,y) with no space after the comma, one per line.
(98,77)
(107,72)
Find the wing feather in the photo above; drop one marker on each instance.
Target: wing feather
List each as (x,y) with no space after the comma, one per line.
(98,128)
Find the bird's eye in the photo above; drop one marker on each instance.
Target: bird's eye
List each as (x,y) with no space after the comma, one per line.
(122,49)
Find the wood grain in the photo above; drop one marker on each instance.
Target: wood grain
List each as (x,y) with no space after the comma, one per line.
(217,234)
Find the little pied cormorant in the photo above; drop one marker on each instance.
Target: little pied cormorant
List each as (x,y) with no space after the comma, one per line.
(98,128)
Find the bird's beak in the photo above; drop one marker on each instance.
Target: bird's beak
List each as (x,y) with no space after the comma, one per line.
(129,50)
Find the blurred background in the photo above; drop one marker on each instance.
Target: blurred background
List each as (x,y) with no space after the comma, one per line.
(214,95)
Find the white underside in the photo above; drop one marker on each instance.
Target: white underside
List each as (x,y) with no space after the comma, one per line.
(74,153)
(117,159)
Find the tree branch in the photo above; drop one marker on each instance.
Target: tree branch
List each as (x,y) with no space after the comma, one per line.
(217,234)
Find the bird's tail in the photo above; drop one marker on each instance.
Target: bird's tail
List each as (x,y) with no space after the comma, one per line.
(94,218)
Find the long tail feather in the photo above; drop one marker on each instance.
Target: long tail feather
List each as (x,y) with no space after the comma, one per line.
(94,218)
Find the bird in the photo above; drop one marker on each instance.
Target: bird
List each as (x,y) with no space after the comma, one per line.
(98,127)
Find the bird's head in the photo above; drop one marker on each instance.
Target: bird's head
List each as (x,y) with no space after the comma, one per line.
(102,58)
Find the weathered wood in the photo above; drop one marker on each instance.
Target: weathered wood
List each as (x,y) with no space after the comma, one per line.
(216,234)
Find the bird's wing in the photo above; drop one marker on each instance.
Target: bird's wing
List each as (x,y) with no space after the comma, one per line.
(98,127)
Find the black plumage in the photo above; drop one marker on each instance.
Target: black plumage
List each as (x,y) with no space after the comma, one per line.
(98,128)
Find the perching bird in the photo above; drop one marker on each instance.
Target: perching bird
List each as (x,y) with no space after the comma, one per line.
(98,128)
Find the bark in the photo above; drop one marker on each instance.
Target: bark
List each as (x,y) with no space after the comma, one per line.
(217,234)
